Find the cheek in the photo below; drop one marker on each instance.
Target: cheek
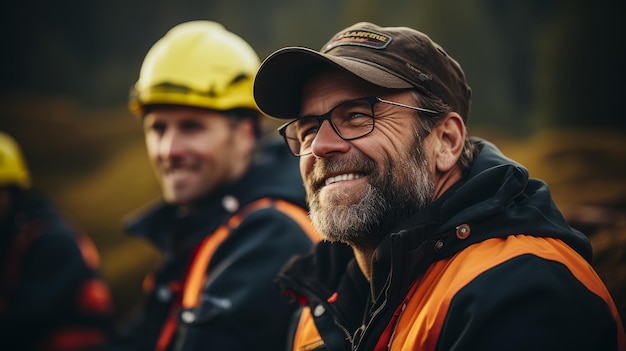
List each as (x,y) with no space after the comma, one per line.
(306,164)
(387,137)
(152,146)
(222,148)
(429,147)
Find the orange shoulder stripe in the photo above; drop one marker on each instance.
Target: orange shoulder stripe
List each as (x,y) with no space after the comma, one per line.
(421,323)
(197,272)
(300,216)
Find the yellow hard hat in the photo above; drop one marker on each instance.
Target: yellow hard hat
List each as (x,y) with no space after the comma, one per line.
(13,170)
(200,64)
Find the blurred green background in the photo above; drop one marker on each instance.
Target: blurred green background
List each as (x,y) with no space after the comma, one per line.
(547,78)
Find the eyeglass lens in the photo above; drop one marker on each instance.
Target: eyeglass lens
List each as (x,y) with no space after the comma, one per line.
(351,119)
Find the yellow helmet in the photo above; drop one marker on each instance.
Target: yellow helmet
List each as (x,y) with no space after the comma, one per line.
(13,170)
(200,64)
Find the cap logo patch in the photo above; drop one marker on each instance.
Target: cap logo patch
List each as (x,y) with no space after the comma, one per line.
(364,38)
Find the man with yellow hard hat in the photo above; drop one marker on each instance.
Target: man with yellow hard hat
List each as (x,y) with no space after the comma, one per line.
(232,211)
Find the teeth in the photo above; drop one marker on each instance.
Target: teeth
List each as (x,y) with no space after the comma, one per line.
(342,177)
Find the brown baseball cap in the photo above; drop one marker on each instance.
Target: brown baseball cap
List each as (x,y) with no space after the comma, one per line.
(390,57)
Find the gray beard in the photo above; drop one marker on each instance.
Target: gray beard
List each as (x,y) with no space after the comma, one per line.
(390,198)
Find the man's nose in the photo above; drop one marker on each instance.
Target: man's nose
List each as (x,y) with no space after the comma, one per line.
(171,144)
(328,141)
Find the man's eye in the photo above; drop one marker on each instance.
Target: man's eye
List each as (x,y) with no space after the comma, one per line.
(190,126)
(159,128)
(308,132)
(357,114)
(306,127)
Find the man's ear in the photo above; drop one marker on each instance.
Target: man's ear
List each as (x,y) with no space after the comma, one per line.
(450,134)
(246,139)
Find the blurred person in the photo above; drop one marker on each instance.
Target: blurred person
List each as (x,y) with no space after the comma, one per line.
(233,206)
(433,240)
(51,294)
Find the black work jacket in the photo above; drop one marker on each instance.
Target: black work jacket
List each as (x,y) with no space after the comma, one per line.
(499,309)
(241,306)
(52,296)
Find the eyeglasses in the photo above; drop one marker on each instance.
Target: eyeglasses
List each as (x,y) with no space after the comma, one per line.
(350,119)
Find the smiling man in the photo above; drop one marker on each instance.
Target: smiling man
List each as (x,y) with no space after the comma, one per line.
(194,150)
(233,208)
(434,240)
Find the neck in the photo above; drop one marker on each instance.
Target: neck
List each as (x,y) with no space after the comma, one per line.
(364,260)
(445,180)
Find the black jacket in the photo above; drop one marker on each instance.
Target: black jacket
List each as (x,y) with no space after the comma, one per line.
(242,308)
(52,296)
(496,199)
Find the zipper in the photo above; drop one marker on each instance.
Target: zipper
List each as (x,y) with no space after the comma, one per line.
(395,324)
(375,314)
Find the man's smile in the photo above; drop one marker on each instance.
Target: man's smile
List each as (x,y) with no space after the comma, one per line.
(342,177)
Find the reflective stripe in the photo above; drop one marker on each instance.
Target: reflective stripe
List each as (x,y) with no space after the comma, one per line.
(307,337)
(197,273)
(417,325)
(421,322)
(301,217)
(94,297)
(199,266)
(169,327)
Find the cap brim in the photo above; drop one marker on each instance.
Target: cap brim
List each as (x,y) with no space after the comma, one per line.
(280,79)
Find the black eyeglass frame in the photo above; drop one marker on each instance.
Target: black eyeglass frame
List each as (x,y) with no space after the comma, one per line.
(372,100)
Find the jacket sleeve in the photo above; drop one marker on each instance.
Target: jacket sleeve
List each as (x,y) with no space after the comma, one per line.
(241,307)
(528,303)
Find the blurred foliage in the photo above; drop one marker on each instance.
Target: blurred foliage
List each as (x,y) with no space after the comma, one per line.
(531,64)
(546,77)
(586,171)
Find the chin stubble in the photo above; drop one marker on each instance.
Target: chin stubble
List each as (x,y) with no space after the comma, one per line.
(390,197)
